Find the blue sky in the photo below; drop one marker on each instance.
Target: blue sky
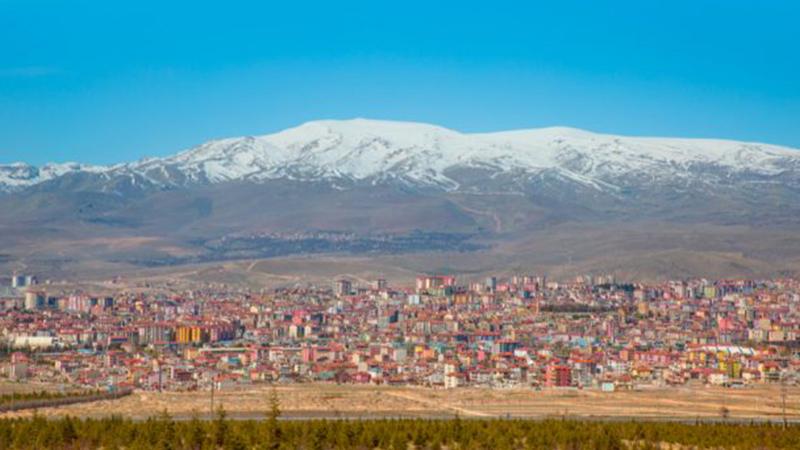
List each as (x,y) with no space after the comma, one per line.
(105,82)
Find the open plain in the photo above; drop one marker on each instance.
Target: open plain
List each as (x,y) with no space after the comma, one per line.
(329,401)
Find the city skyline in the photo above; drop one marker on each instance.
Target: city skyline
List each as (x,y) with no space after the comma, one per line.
(350,224)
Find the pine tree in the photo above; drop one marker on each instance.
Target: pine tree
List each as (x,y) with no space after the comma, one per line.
(67,432)
(273,427)
(196,434)
(220,427)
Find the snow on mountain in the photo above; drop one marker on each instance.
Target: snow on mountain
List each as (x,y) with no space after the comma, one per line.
(19,175)
(423,154)
(426,155)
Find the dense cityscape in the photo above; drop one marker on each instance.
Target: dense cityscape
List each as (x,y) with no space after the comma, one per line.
(523,331)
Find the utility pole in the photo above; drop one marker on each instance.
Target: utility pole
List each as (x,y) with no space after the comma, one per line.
(212,397)
(783,401)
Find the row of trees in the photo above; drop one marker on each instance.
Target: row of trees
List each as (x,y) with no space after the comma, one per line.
(6,399)
(222,433)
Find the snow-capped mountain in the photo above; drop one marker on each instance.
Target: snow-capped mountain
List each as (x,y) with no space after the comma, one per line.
(650,206)
(18,176)
(421,155)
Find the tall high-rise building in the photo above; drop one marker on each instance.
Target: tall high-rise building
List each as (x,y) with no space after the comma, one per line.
(342,287)
(434,282)
(35,300)
(21,281)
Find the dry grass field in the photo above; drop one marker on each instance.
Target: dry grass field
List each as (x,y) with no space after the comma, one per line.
(331,401)
(10,387)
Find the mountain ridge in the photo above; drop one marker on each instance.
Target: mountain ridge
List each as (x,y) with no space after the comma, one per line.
(431,199)
(418,154)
